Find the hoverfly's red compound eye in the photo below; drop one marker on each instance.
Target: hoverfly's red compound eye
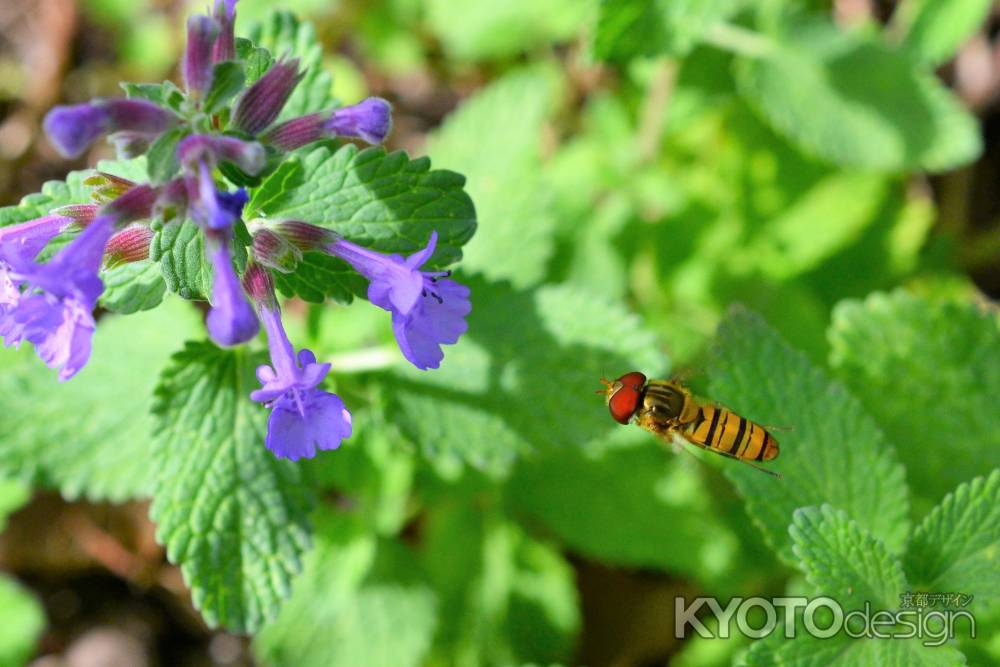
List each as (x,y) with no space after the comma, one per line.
(624,394)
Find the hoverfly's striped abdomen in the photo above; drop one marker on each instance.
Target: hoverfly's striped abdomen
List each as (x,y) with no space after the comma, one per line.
(725,431)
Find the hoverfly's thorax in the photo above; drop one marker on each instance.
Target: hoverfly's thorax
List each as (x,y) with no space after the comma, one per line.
(664,401)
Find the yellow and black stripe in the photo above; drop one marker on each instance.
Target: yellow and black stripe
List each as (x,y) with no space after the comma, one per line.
(728,433)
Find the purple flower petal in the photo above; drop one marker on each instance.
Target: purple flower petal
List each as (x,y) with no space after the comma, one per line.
(370,119)
(302,424)
(427,310)
(72,128)
(438,319)
(304,418)
(232,319)
(55,311)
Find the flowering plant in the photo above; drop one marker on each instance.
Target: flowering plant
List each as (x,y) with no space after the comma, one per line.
(202,156)
(236,187)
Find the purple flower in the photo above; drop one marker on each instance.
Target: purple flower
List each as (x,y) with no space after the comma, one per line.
(19,245)
(201,34)
(428,310)
(231,320)
(55,312)
(304,418)
(225,43)
(209,207)
(370,119)
(210,149)
(72,128)
(261,103)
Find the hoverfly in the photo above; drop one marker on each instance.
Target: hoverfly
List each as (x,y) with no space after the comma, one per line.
(666,408)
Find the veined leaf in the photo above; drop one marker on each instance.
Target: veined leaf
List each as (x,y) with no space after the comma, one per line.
(857,103)
(956,549)
(831,450)
(91,436)
(928,374)
(386,202)
(231,514)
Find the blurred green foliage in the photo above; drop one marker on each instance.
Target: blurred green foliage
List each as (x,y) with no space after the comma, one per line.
(637,168)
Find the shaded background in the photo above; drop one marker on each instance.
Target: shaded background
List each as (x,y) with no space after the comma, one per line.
(103,580)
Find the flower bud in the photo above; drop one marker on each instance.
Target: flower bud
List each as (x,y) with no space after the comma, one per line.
(72,128)
(81,214)
(304,236)
(129,245)
(275,252)
(210,149)
(370,119)
(107,186)
(297,132)
(225,43)
(259,284)
(263,101)
(232,319)
(136,204)
(201,34)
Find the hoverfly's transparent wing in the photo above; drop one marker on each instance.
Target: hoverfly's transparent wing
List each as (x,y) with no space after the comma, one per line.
(721,453)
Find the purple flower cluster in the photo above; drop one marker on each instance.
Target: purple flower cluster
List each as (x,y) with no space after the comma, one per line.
(50,301)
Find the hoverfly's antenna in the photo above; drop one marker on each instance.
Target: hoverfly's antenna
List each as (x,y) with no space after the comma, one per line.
(606,384)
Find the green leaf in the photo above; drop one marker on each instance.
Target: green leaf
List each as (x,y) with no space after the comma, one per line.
(90,436)
(841,98)
(653,510)
(845,562)
(151,92)
(839,651)
(161,159)
(933,30)
(359,601)
(230,513)
(53,194)
(256,60)
(928,374)
(832,451)
(498,29)
(179,247)
(130,288)
(630,28)
(228,79)
(495,140)
(505,598)
(387,202)
(504,390)
(283,34)
(956,549)
(22,620)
